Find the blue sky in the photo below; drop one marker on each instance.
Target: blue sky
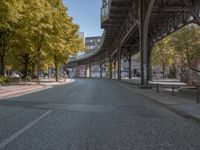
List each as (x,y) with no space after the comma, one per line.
(86,14)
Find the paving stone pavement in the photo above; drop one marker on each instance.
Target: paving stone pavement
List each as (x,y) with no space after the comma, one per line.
(182,105)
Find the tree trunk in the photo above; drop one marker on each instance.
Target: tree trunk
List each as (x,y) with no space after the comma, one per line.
(174,71)
(56,67)
(2,65)
(26,64)
(40,40)
(188,57)
(163,68)
(33,68)
(3,53)
(38,71)
(25,70)
(114,68)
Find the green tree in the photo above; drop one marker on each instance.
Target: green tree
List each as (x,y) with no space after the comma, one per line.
(10,14)
(178,49)
(186,44)
(162,54)
(63,36)
(36,33)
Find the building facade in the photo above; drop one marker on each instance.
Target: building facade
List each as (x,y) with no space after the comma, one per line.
(92,42)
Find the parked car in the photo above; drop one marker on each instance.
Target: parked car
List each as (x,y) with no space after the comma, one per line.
(124,74)
(14,75)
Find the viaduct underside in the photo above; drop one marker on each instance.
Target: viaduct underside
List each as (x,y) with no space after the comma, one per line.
(132,26)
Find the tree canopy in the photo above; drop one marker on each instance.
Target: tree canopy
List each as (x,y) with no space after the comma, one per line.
(179,49)
(35,34)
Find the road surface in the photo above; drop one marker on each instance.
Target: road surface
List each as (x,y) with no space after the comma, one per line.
(92,114)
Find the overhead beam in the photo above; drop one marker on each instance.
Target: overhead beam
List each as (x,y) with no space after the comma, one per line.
(174,8)
(192,10)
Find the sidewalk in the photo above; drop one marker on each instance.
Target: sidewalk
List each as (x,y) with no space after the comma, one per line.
(10,91)
(181,89)
(181,105)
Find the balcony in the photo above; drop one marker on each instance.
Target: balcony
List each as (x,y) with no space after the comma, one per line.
(105,12)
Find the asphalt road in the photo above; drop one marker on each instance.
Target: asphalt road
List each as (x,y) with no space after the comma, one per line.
(92,114)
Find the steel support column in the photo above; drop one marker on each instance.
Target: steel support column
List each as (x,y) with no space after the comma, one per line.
(114,68)
(130,65)
(86,67)
(145,8)
(100,67)
(76,72)
(149,65)
(110,67)
(90,69)
(119,63)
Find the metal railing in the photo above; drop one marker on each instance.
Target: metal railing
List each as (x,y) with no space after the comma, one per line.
(175,88)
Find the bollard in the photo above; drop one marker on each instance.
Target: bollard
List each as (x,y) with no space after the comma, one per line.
(157,87)
(173,93)
(198,95)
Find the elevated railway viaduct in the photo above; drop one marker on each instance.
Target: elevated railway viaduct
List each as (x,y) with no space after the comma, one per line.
(132,26)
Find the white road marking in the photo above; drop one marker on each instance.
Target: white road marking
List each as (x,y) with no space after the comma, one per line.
(73,94)
(24,129)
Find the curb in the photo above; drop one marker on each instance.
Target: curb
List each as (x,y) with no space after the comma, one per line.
(181,113)
(29,91)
